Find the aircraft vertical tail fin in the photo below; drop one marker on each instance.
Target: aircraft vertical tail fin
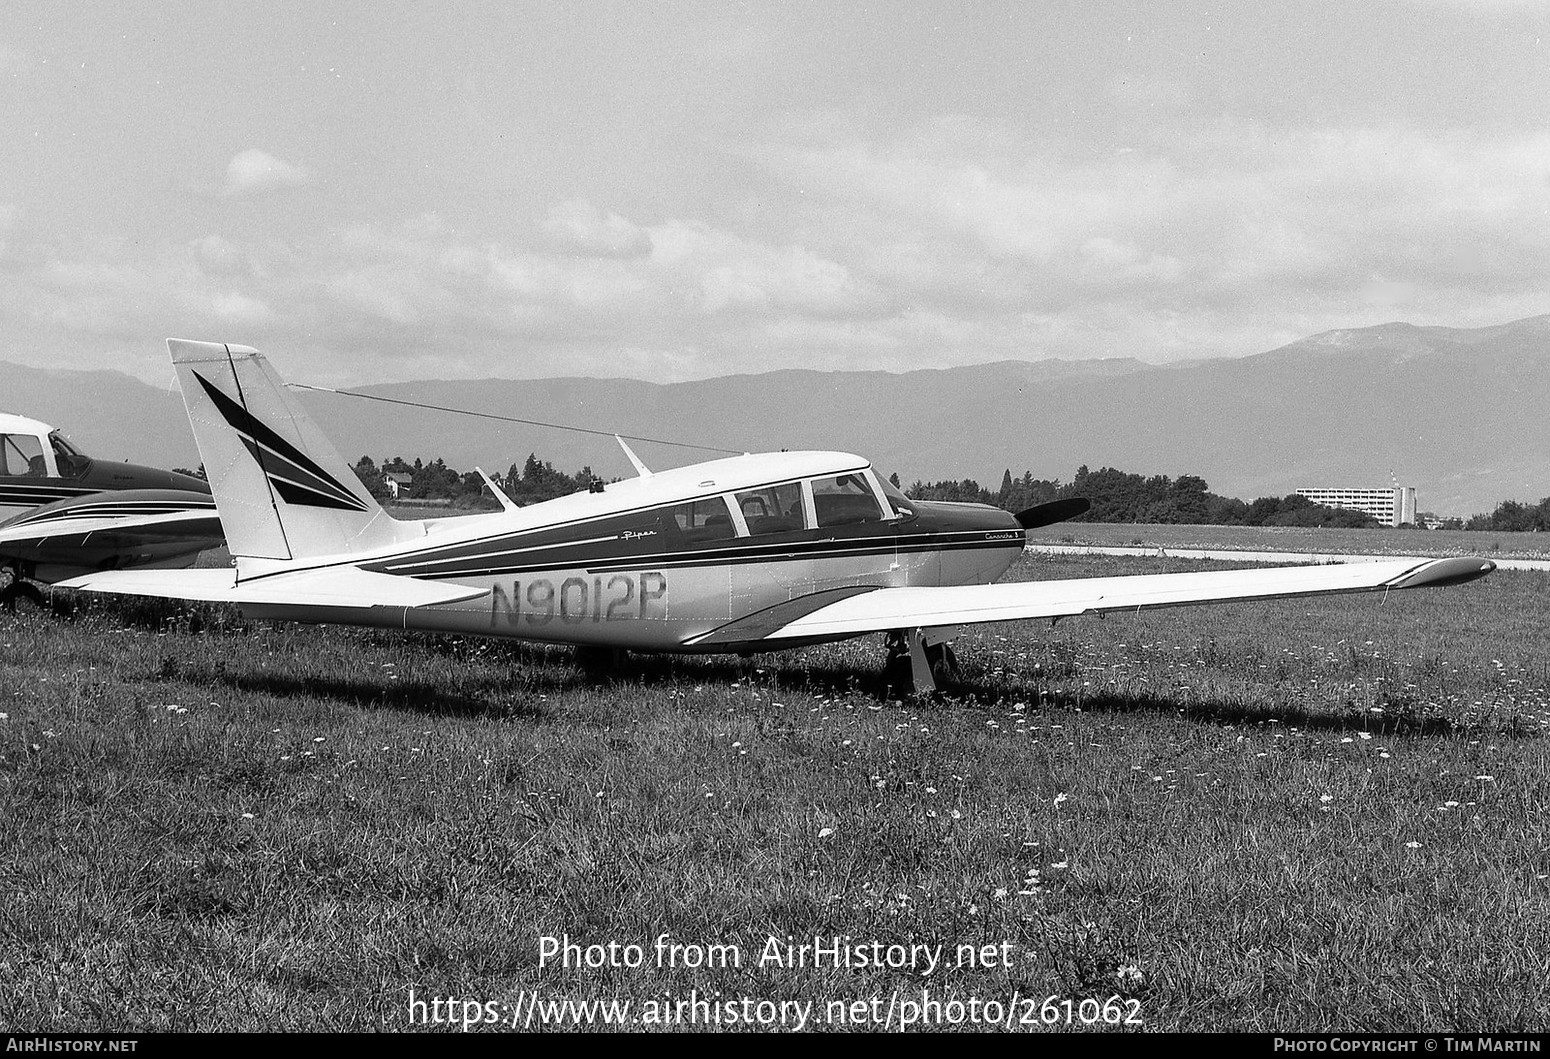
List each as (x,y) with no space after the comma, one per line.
(282,490)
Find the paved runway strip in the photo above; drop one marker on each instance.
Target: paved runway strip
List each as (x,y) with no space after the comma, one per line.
(1256,557)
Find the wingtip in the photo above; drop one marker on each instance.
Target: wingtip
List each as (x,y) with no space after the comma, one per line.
(1440,572)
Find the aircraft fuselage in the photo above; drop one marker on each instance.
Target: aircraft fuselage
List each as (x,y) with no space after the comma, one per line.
(636,580)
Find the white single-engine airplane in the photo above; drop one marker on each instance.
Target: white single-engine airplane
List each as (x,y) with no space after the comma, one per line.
(746,554)
(63,513)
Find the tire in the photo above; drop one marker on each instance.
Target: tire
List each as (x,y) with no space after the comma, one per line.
(20,590)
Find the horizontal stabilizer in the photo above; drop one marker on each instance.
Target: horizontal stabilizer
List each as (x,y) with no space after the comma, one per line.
(204,586)
(344,586)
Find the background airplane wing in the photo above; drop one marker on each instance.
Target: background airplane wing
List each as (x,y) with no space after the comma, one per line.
(113,531)
(882,609)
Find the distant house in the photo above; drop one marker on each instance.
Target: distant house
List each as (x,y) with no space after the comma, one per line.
(398,484)
(1392,506)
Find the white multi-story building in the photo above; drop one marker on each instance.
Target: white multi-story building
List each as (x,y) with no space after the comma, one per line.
(1390,506)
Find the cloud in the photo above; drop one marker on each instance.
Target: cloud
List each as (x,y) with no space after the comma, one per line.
(1159,93)
(1476,7)
(740,275)
(1225,214)
(235,308)
(219,256)
(253,171)
(949,243)
(15,62)
(577,227)
(8,215)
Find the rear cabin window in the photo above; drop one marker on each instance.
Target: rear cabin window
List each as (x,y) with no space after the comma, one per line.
(21,456)
(845,501)
(704,520)
(773,509)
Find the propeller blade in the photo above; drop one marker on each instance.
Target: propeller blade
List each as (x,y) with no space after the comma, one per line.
(1052,512)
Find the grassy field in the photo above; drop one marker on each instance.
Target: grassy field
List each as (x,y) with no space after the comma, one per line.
(1301,815)
(1299,539)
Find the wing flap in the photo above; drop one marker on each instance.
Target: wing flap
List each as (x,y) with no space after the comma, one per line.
(894,608)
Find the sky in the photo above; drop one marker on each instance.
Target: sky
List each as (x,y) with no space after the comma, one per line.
(386,191)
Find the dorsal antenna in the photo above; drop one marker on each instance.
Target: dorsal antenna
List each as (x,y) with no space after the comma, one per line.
(506,501)
(640,468)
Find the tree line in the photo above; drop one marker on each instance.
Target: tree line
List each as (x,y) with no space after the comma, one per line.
(534,482)
(1118,496)
(1512,516)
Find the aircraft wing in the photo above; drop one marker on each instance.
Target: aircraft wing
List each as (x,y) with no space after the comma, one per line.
(111,531)
(882,609)
(334,587)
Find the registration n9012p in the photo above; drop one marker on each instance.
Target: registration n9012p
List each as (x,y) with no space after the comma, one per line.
(580,599)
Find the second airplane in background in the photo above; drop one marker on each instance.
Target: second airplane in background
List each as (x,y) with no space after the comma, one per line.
(63,513)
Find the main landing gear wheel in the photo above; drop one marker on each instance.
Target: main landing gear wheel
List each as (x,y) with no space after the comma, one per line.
(913,665)
(19,590)
(598,661)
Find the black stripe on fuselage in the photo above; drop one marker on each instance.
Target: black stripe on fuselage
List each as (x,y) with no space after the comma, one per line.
(650,535)
(742,551)
(655,520)
(37,495)
(79,514)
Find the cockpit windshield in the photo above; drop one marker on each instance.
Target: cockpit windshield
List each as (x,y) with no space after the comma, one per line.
(902,505)
(62,445)
(70,459)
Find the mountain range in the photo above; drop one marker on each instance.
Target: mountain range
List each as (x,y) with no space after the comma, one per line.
(1457,413)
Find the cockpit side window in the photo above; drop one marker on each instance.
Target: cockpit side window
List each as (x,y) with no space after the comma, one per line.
(71,463)
(845,500)
(704,520)
(21,456)
(773,509)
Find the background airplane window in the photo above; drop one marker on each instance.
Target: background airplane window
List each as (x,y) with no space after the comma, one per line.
(773,509)
(704,520)
(22,456)
(844,501)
